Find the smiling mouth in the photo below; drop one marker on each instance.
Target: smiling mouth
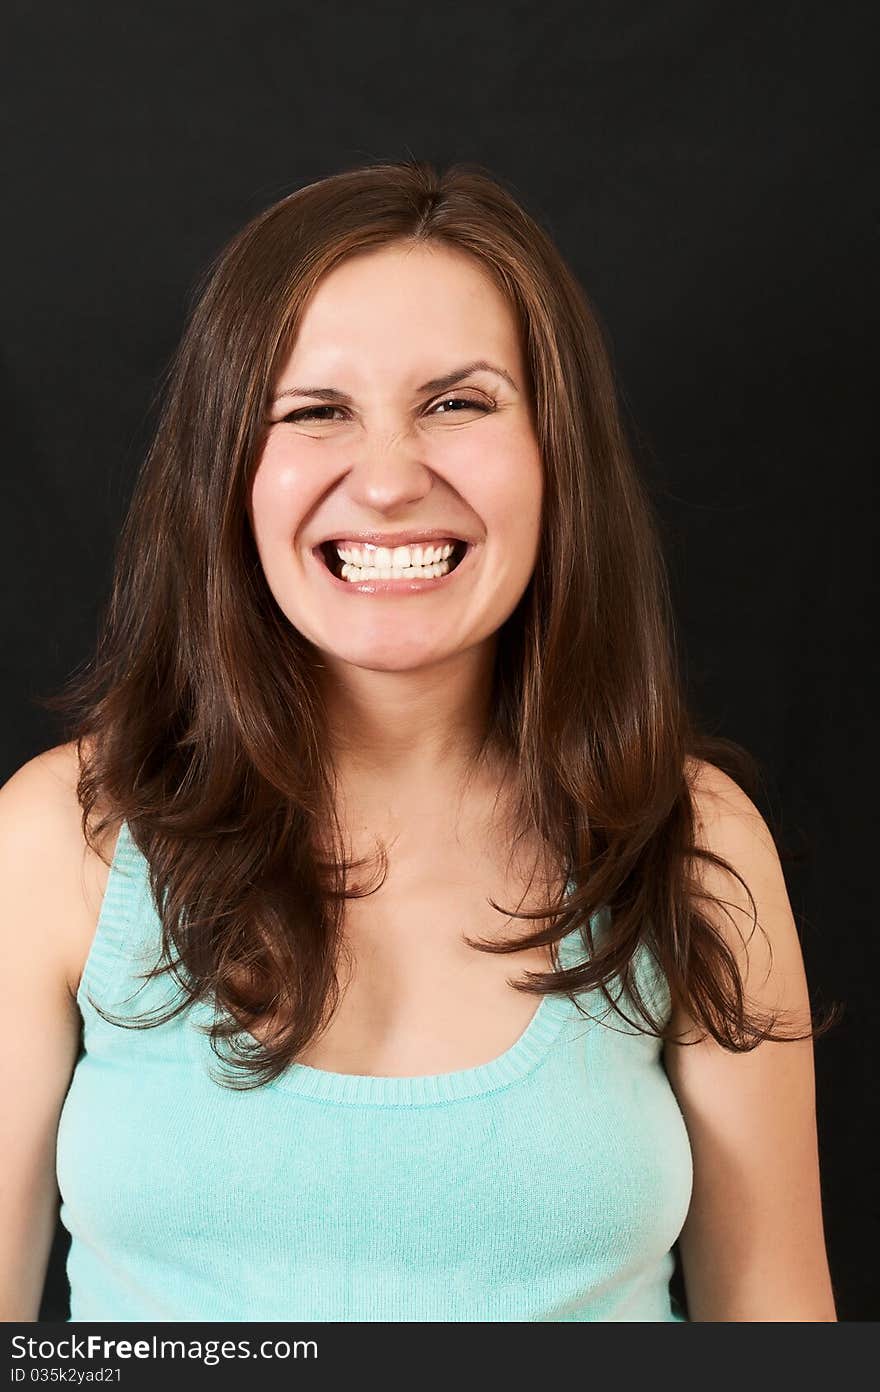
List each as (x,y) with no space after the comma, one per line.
(334,563)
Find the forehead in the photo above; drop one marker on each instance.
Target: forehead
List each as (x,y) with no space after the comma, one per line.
(414,308)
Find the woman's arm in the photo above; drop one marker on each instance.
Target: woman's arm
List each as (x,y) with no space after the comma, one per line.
(753,1245)
(39,878)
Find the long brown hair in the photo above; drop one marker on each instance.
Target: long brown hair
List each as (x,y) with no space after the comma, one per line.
(199,720)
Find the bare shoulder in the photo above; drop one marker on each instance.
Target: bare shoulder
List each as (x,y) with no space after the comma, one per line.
(718,799)
(752,909)
(41,832)
(728,823)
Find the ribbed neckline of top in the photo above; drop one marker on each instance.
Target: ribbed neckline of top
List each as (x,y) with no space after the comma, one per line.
(523,1057)
(424,1089)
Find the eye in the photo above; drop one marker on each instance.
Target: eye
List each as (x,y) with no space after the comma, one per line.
(314,413)
(465,401)
(309,413)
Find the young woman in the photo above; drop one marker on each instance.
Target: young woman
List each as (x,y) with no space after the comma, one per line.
(389,664)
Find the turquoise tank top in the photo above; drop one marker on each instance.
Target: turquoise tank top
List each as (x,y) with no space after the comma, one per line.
(548,1184)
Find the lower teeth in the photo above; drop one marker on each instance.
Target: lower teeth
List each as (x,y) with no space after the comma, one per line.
(355,573)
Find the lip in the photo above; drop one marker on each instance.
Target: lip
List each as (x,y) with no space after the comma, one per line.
(405,586)
(390,539)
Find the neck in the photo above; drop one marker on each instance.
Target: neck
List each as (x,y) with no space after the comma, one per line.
(411,741)
(406,726)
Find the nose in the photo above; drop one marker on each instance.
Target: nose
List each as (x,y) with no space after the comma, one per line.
(387,472)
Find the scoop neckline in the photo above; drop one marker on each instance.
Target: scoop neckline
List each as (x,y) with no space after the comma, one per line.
(525,1055)
(422,1089)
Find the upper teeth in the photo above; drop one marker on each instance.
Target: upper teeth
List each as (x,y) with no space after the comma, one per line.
(398,557)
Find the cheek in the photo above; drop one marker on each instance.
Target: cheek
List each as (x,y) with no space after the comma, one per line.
(504,484)
(279,492)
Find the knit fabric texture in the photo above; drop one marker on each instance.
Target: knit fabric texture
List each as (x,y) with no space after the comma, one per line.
(548,1184)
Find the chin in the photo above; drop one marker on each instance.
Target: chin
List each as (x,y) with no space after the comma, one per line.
(393,662)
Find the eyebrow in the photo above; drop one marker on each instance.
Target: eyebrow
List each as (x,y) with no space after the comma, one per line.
(436,384)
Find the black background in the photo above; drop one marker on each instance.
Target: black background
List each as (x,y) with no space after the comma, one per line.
(705,169)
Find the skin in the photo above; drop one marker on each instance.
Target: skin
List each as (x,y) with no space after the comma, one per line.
(753,1245)
(407,677)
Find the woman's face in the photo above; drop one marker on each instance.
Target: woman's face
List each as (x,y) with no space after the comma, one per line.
(366,444)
